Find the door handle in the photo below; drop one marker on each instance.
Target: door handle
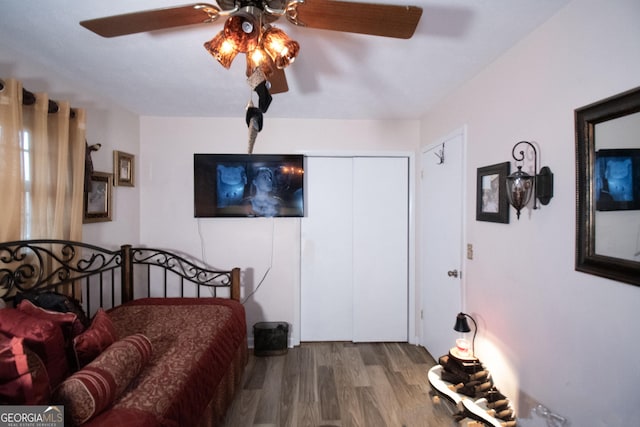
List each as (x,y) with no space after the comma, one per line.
(452,273)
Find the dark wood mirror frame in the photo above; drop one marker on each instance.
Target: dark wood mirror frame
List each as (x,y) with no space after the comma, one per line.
(586,118)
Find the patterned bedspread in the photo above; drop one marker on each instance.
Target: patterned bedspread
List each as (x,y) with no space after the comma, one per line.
(194,343)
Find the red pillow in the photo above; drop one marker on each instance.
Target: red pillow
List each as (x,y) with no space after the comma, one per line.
(100,335)
(95,387)
(71,326)
(42,336)
(23,376)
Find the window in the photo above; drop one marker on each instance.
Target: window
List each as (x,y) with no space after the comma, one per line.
(26,175)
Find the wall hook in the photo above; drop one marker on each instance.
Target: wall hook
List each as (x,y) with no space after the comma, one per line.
(440,155)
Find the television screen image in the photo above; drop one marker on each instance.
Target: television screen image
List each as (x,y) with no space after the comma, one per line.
(248,185)
(617,179)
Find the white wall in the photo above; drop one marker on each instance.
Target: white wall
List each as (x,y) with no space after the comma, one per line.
(548,333)
(115,129)
(256,245)
(108,124)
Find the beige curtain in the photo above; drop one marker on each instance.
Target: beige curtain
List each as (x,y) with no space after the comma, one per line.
(57,154)
(42,158)
(45,202)
(11,181)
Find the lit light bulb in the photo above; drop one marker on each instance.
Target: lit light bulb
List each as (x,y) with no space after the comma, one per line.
(280,47)
(221,48)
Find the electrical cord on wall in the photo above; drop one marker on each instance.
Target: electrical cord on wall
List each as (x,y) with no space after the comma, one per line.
(203,255)
(266,273)
(273,226)
(202,248)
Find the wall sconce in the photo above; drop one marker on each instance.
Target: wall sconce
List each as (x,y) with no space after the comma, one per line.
(462,344)
(521,185)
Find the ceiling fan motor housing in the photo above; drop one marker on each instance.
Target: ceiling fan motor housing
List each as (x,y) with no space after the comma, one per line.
(273,4)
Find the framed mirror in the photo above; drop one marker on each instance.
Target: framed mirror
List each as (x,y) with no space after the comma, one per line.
(608,187)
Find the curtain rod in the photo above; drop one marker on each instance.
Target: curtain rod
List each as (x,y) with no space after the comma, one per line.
(29,98)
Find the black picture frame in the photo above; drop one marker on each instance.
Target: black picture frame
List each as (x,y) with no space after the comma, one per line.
(491,195)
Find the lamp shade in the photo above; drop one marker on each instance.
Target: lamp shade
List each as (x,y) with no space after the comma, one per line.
(280,47)
(519,189)
(222,49)
(243,32)
(258,58)
(461,323)
(463,326)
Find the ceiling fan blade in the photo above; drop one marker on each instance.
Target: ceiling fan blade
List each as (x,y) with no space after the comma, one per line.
(150,20)
(278,82)
(364,18)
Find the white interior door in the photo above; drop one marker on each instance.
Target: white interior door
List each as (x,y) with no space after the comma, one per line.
(380,255)
(441,241)
(326,294)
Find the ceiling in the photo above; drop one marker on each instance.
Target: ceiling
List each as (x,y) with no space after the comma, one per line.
(335,76)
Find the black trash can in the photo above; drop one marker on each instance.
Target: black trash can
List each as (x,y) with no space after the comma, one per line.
(270,338)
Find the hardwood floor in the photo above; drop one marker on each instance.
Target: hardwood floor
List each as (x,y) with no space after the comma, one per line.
(339,384)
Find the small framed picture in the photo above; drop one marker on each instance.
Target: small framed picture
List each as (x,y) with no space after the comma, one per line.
(123,169)
(491,198)
(97,201)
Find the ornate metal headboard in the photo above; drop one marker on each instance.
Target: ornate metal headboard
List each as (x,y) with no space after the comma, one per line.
(93,274)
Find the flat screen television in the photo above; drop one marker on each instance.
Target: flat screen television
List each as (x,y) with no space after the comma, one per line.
(617,179)
(248,185)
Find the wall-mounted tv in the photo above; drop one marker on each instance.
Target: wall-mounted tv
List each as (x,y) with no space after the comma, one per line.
(617,179)
(248,185)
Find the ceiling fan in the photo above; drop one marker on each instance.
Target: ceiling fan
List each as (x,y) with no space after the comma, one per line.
(248,28)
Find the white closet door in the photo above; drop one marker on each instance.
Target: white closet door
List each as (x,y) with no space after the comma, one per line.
(354,279)
(380,251)
(326,306)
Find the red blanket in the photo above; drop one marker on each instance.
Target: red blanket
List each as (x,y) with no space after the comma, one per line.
(195,341)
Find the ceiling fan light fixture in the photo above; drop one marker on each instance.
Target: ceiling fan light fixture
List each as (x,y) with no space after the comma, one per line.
(280,47)
(222,49)
(258,58)
(243,32)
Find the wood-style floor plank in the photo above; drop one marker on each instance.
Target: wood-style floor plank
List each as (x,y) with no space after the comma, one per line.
(289,394)
(339,384)
(350,410)
(371,407)
(307,391)
(269,406)
(328,394)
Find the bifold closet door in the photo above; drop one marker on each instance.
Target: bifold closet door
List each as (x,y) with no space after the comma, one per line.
(326,294)
(380,248)
(354,278)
